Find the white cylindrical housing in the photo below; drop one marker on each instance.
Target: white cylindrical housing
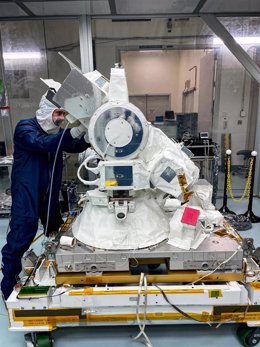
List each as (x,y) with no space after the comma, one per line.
(67,241)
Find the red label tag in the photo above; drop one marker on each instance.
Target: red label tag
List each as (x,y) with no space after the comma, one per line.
(190,216)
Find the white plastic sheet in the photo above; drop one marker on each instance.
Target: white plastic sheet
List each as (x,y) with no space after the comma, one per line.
(165,161)
(99,228)
(118,91)
(185,236)
(202,195)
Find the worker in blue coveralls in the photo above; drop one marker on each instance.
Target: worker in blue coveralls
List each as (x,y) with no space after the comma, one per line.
(35,147)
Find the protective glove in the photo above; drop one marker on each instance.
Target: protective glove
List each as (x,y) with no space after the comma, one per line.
(89,152)
(77,132)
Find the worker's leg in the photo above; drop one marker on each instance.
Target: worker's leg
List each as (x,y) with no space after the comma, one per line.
(21,234)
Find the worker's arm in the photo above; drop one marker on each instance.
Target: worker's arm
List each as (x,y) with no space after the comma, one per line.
(32,139)
(74,145)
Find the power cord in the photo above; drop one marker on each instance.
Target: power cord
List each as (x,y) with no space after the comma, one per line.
(213,271)
(51,183)
(186,315)
(142,282)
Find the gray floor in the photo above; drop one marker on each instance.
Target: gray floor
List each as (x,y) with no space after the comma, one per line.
(178,335)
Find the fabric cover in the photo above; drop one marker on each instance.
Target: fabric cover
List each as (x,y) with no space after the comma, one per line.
(99,228)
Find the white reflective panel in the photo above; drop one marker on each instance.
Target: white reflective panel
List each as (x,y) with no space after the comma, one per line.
(78,96)
(10,10)
(155,6)
(231,6)
(52,8)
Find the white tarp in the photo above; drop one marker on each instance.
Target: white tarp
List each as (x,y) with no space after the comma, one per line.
(165,161)
(99,228)
(118,91)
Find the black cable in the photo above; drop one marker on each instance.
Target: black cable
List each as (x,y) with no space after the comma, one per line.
(197,320)
(186,315)
(40,258)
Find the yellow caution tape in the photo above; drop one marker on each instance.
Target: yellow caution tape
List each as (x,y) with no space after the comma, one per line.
(110,183)
(215,293)
(91,291)
(255,285)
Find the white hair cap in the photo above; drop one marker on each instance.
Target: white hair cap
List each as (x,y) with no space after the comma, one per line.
(44,116)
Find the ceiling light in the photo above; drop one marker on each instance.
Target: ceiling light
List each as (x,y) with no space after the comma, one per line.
(21,55)
(243,40)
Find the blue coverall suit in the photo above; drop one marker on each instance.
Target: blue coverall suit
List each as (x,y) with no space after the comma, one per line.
(34,153)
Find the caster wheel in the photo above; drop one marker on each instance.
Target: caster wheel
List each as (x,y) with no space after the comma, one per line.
(246,336)
(44,340)
(28,340)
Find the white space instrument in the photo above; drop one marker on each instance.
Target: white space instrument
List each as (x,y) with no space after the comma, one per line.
(137,164)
